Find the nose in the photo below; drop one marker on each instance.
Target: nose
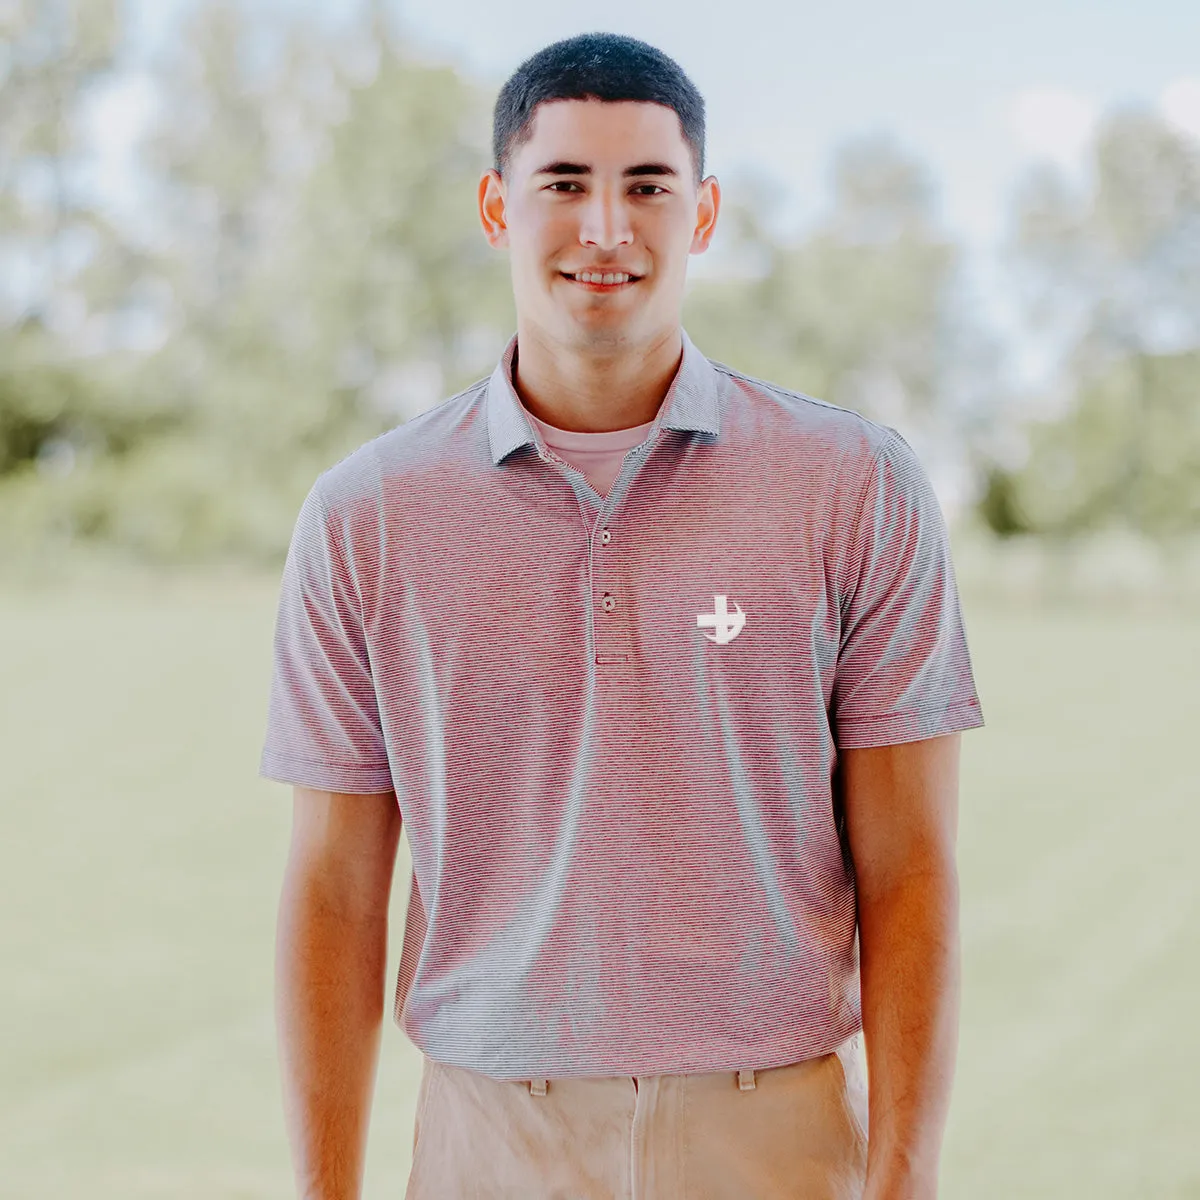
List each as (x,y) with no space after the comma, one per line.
(605,221)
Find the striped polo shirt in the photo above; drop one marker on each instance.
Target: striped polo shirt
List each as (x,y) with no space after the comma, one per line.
(611,717)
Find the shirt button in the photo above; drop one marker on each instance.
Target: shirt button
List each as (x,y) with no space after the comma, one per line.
(609,603)
(605,538)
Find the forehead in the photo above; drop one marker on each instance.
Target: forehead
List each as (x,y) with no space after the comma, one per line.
(603,133)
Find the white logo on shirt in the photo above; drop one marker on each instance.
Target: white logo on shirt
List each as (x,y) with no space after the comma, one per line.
(727,625)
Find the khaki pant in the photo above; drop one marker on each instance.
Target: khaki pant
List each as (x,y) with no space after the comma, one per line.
(793,1131)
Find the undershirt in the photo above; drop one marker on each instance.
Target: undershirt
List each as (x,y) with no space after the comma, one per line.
(598,455)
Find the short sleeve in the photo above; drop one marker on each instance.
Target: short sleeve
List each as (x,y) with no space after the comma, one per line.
(903,669)
(323,727)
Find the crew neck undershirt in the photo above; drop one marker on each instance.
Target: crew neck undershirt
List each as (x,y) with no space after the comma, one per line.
(598,455)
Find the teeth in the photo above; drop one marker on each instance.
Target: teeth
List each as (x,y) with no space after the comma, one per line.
(597,277)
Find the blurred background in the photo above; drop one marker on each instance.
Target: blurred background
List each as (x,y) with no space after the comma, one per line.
(239,239)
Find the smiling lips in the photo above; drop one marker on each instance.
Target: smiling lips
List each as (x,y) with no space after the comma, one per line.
(601,280)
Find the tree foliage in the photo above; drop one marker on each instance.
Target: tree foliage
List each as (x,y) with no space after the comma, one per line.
(1113,272)
(306,271)
(313,265)
(866,310)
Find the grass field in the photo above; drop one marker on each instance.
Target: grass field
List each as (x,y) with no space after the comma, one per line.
(141,860)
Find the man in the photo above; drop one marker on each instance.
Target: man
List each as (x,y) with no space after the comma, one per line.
(663,670)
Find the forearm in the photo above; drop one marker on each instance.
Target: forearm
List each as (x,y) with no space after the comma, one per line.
(329,977)
(910,964)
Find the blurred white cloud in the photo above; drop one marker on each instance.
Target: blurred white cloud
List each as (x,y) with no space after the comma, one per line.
(1180,104)
(1053,123)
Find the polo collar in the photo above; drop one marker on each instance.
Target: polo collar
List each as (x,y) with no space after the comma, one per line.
(691,402)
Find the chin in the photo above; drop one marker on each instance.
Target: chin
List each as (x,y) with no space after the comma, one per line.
(598,337)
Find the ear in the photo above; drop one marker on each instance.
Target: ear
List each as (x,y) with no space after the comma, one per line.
(708,204)
(491,208)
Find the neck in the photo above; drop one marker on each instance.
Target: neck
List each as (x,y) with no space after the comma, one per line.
(595,392)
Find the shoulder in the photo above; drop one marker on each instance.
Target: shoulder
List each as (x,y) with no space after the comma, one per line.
(417,449)
(816,430)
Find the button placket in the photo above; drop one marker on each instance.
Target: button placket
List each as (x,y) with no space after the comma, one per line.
(608,600)
(613,642)
(610,641)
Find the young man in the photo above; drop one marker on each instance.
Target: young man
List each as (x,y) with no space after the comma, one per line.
(662,667)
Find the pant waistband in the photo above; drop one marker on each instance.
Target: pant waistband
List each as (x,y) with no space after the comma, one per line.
(745,1081)
(745,1075)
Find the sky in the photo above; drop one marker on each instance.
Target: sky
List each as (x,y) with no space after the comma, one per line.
(977,91)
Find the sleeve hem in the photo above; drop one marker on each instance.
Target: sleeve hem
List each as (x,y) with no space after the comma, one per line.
(327,777)
(894,728)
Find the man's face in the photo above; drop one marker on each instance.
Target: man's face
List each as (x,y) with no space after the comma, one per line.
(605,188)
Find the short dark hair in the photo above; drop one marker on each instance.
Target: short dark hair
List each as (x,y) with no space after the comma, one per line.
(595,66)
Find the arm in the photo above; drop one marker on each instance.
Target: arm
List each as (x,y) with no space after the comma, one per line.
(901,805)
(331,955)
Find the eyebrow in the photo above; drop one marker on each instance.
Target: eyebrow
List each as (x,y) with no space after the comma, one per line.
(569,168)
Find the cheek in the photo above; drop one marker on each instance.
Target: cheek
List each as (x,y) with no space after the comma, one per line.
(535,249)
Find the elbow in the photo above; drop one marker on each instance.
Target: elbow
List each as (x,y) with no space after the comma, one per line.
(933,877)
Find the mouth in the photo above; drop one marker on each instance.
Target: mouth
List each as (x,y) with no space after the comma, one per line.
(601,281)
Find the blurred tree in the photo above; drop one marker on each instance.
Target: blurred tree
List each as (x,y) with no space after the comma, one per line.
(55,54)
(868,310)
(401,302)
(1127,453)
(863,310)
(311,251)
(1113,273)
(55,404)
(310,256)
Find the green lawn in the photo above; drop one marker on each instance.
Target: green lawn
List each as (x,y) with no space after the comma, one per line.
(141,859)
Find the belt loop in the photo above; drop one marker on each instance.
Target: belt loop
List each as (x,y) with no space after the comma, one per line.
(537,1087)
(746,1079)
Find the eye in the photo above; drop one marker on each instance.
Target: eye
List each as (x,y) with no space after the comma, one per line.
(562,183)
(649,185)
